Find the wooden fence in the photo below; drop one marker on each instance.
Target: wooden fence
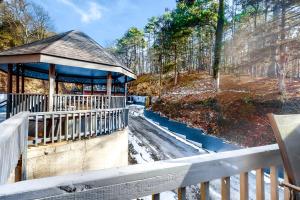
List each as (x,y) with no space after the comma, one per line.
(154,178)
(56,126)
(13,147)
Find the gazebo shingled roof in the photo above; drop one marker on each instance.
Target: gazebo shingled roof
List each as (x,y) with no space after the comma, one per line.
(78,58)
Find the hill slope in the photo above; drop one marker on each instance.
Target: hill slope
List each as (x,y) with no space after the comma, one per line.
(237,113)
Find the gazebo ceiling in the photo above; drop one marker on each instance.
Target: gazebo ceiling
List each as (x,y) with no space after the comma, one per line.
(75,54)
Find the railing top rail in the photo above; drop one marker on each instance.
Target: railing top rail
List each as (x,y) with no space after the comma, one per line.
(146,179)
(104,95)
(87,95)
(13,142)
(28,94)
(74,112)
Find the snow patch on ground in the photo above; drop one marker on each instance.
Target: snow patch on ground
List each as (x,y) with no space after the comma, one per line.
(142,154)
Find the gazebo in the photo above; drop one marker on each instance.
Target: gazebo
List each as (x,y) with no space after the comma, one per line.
(71,57)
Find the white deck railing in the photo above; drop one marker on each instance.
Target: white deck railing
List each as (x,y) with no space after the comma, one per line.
(154,178)
(13,146)
(57,126)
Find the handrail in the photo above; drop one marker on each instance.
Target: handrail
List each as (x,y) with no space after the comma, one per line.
(13,143)
(147,179)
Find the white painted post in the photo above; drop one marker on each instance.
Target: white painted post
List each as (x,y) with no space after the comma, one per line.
(51,86)
(9,90)
(108,88)
(125,91)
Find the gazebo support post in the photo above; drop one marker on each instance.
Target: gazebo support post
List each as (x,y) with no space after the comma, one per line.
(9,90)
(18,79)
(108,88)
(125,90)
(92,87)
(51,86)
(56,87)
(23,80)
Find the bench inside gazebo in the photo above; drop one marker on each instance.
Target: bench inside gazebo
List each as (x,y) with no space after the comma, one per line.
(70,57)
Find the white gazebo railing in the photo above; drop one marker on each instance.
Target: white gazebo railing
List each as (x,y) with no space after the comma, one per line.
(18,102)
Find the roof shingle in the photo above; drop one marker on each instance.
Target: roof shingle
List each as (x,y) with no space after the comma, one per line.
(71,45)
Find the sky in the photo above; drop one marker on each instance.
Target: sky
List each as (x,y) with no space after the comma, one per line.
(103,20)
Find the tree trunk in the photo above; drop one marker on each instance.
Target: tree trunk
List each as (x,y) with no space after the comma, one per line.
(282,51)
(218,44)
(175,71)
(160,75)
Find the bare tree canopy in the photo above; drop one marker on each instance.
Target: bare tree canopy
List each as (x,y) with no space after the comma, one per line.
(21,22)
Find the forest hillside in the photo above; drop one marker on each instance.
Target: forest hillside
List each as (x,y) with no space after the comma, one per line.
(237,112)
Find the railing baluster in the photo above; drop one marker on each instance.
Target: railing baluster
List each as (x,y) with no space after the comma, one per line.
(117,118)
(78,102)
(74,103)
(92,102)
(36,130)
(30,103)
(54,102)
(34,103)
(91,124)
(52,127)
(18,103)
(21,102)
(225,188)
(204,191)
(85,126)
(73,126)
(45,129)
(66,103)
(260,185)
(274,182)
(100,131)
(60,100)
(60,127)
(44,103)
(38,103)
(112,120)
(96,123)
(287,194)
(181,193)
(67,127)
(79,125)
(109,121)
(244,191)
(105,121)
